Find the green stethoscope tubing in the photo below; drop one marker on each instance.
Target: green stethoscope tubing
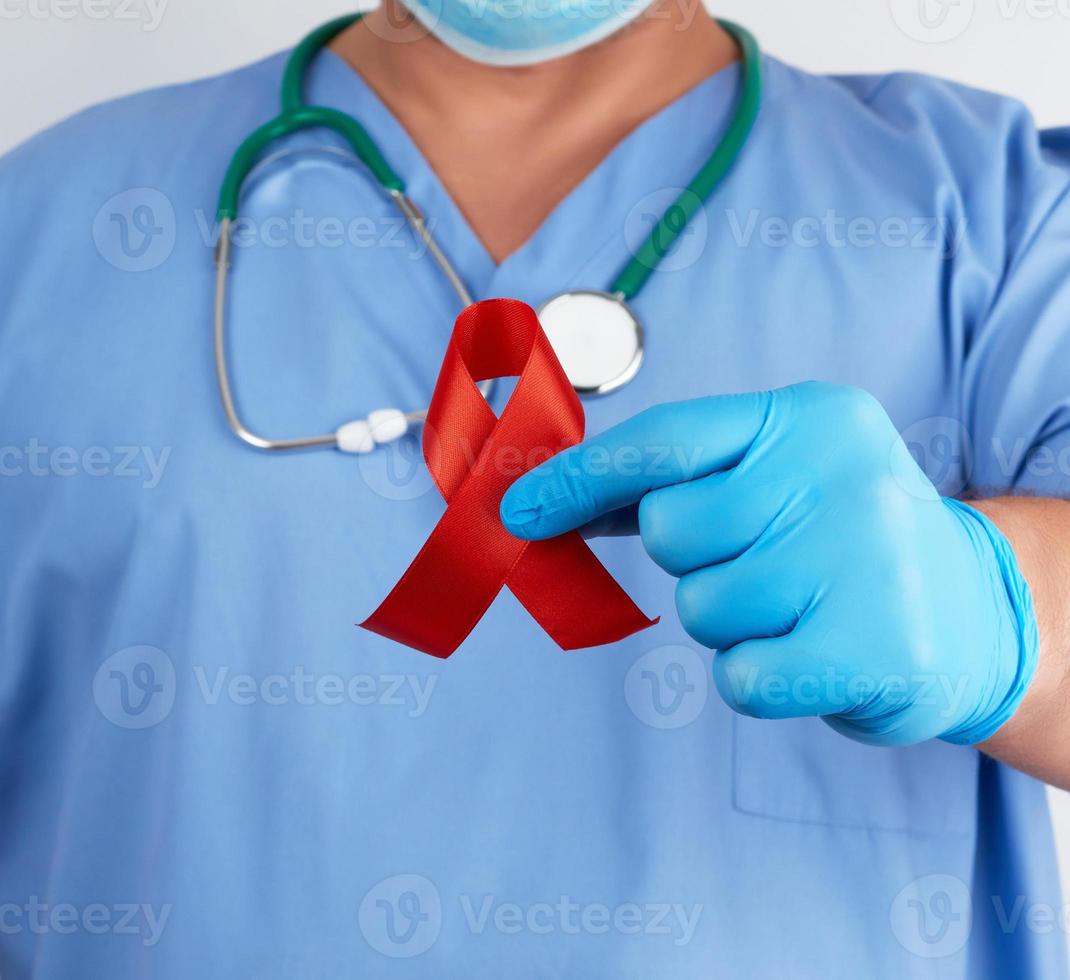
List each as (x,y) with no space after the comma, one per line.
(659,242)
(296,115)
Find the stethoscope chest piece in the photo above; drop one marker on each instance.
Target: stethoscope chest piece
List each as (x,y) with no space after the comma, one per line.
(596,337)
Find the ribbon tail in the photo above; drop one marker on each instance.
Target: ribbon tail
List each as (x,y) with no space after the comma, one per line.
(564,586)
(439,599)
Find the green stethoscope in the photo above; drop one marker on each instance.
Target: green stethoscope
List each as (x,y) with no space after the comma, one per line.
(597,337)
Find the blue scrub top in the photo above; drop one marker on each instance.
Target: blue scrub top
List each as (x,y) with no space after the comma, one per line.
(209,771)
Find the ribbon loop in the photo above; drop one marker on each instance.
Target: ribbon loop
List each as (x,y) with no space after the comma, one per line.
(473,457)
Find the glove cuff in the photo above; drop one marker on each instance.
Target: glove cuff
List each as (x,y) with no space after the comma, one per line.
(988,719)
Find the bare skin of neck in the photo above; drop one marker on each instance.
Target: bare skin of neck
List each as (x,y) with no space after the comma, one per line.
(509,144)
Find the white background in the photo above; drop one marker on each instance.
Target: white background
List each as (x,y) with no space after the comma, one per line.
(57,56)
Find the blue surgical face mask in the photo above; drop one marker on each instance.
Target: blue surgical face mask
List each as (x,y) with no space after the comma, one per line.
(522,32)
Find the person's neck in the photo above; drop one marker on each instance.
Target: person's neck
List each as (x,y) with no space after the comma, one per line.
(510,143)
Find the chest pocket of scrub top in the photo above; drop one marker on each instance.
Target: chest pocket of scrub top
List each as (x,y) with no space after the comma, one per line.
(801,770)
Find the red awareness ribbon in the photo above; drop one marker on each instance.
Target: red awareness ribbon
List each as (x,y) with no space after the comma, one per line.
(473,457)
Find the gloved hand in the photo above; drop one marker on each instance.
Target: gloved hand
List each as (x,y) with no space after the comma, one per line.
(814,555)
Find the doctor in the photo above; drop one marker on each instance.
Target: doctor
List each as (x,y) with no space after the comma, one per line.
(209,771)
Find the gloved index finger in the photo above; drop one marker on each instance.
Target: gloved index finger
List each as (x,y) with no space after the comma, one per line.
(664,445)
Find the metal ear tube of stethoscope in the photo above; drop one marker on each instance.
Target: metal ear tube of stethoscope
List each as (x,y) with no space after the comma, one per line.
(416,221)
(379,427)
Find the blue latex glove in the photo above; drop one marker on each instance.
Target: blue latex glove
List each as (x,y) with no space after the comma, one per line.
(814,555)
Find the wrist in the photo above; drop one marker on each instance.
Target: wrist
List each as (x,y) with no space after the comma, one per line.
(1010,663)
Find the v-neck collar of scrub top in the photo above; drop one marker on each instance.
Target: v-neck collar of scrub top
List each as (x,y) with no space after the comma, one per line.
(581,243)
